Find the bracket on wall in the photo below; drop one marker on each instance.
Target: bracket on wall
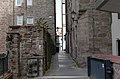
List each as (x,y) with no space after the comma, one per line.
(81,12)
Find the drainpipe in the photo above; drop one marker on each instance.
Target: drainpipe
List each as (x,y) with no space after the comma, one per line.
(13,11)
(55,21)
(62,21)
(93,25)
(67,42)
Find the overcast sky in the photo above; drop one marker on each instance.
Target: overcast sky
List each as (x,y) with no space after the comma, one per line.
(58,13)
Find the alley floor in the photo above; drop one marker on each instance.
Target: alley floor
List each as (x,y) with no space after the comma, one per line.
(63,67)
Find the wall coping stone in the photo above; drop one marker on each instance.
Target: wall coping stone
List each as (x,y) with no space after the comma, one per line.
(113,59)
(6,75)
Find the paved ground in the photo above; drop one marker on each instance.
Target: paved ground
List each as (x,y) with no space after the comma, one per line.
(63,67)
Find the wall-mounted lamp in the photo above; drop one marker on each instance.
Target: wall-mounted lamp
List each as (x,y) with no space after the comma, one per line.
(73,13)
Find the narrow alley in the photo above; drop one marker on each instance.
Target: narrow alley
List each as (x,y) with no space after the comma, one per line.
(59,39)
(62,66)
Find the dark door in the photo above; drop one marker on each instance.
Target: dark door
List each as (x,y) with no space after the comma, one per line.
(118,47)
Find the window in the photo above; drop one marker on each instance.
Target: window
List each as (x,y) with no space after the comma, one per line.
(29,20)
(118,15)
(29,2)
(20,20)
(18,2)
(118,43)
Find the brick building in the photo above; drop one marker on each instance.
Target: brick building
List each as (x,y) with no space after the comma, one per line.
(88,30)
(25,12)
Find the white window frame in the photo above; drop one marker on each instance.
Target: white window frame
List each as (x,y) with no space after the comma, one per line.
(20,20)
(32,20)
(29,2)
(18,4)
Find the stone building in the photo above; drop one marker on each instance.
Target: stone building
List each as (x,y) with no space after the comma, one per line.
(18,14)
(102,5)
(88,30)
(112,6)
(3,24)
(25,12)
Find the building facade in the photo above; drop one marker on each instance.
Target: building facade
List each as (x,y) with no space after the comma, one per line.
(115,34)
(111,6)
(25,12)
(88,30)
(3,24)
(22,13)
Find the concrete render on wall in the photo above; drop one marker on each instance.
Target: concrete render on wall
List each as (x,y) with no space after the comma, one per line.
(115,33)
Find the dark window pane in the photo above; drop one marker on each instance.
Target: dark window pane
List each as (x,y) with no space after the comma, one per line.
(118,15)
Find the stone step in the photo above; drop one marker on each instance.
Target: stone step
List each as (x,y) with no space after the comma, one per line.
(63,77)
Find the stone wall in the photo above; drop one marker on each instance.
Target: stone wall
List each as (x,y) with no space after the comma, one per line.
(39,9)
(90,31)
(29,51)
(116,69)
(94,35)
(14,53)
(3,24)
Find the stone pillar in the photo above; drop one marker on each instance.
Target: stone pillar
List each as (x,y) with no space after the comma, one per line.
(14,58)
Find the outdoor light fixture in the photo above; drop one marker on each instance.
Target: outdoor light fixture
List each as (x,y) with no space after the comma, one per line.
(73,13)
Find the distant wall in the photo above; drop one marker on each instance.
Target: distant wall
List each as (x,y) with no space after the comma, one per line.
(115,32)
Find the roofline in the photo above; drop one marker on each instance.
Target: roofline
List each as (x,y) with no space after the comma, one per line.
(102,4)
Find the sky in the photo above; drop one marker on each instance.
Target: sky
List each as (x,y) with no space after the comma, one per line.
(59,18)
(58,13)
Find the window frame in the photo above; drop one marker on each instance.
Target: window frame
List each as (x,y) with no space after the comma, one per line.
(30,3)
(118,15)
(20,23)
(32,20)
(20,4)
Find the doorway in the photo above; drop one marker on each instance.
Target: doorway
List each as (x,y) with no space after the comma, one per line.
(118,42)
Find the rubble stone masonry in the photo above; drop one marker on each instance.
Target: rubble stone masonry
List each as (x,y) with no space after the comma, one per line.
(9,13)
(28,55)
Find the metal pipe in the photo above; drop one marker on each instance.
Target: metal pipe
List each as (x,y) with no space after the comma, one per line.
(62,22)
(13,12)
